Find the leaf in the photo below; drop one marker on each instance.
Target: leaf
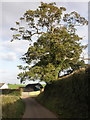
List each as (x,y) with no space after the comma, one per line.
(55,45)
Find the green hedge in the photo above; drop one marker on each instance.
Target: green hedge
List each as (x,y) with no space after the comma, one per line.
(11,92)
(12,107)
(68,96)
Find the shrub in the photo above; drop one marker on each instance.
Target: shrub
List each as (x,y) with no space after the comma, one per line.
(11,92)
(12,107)
(68,96)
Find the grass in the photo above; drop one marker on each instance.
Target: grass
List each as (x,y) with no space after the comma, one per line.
(67,97)
(15,86)
(43,85)
(12,107)
(15,92)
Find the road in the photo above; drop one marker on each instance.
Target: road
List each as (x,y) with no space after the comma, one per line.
(35,110)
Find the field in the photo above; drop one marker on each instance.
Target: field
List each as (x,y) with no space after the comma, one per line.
(15,92)
(15,86)
(68,96)
(12,107)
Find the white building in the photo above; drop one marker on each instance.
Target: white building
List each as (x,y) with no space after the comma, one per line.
(3,86)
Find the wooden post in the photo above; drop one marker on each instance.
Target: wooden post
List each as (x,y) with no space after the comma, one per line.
(21,90)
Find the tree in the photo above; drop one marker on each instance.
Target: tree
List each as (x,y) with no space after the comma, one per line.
(55,45)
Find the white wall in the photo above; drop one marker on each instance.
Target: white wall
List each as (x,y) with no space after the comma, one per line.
(5,86)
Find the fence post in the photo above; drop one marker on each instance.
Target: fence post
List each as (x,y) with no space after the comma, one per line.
(21,90)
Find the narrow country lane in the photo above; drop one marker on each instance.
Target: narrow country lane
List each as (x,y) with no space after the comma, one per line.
(35,110)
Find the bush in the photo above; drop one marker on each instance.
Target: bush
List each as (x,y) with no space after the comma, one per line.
(68,96)
(12,107)
(11,92)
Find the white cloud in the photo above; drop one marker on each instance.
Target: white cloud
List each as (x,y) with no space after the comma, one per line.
(9,56)
(11,51)
(3,71)
(83,32)
(45,0)
(9,77)
(17,47)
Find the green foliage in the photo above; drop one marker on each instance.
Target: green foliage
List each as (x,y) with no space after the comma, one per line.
(57,45)
(12,107)
(11,92)
(70,98)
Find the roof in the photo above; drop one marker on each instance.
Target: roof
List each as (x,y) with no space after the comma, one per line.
(1,84)
(34,86)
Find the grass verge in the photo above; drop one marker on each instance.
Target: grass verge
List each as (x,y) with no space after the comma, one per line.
(12,107)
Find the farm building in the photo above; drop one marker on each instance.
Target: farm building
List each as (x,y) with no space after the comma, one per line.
(3,86)
(34,87)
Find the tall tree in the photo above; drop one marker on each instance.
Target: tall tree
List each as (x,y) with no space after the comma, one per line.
(55,45)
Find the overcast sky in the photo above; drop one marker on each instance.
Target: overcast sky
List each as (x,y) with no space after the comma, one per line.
(12,51)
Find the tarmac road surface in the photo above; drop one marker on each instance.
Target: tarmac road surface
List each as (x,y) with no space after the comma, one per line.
(35,110)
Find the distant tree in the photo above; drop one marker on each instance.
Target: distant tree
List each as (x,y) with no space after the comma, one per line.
(55,45)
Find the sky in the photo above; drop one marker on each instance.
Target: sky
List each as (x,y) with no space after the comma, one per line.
(11,52)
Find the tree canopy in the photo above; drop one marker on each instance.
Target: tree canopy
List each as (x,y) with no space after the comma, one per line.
(54,44)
